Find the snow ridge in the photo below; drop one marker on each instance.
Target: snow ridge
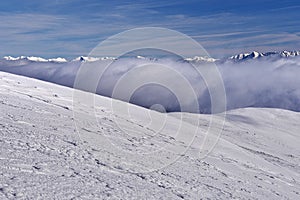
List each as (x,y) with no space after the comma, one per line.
(34,59)
(92,59)
(255,55)
(201,59)
(238,57)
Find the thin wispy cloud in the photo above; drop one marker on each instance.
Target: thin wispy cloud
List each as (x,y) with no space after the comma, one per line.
(70,28)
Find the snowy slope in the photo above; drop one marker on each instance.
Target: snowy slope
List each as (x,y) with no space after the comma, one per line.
(43,155)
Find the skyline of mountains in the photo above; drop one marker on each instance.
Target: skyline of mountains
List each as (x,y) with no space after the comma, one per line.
(237,57)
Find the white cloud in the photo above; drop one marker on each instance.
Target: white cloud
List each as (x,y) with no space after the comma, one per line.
(258,83)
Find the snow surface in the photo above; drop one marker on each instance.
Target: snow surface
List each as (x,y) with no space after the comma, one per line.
(44,156)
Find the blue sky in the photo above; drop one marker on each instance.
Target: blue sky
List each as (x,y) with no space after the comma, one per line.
(71,28)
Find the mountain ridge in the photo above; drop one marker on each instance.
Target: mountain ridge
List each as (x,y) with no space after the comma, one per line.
(237,57)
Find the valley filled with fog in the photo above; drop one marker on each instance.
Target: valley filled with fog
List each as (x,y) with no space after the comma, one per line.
(250,80)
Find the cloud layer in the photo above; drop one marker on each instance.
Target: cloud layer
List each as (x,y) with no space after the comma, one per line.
(254,83)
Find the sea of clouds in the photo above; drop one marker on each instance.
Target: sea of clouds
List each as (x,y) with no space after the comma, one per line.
(253,83)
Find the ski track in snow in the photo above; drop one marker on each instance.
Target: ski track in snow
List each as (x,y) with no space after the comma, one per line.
(42,156)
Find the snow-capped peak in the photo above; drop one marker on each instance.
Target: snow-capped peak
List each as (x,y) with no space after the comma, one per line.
(85,58)
(59,59)
(255,55)
(34,59)
(199,59)
(92,59)
(10,58)
(243,56)
(30,58)
(238,57)
(290,53)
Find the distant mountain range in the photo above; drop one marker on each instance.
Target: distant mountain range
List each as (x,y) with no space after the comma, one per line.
(238,57)
(254,55)
(246,56)
(58,60)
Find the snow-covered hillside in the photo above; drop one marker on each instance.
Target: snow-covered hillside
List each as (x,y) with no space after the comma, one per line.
(44,156)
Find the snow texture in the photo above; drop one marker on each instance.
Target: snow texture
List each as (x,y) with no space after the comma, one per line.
(43,157)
